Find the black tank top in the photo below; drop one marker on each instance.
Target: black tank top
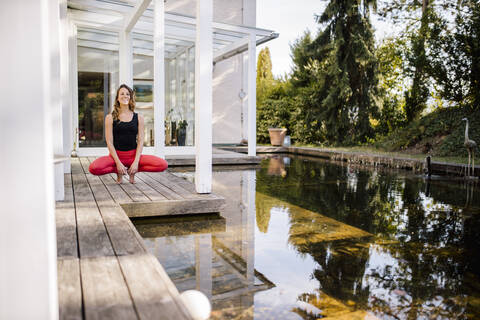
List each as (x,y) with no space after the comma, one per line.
(125,134)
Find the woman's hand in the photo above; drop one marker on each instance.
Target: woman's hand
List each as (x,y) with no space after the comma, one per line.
(133,168)
(121,170)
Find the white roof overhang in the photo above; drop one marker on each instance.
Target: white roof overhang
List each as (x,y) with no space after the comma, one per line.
(99,22)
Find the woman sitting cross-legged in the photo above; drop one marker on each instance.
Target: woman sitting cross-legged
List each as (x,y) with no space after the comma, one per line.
(124,135)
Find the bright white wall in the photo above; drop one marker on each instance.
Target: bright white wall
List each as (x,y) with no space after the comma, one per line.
(28,284)
(227,74)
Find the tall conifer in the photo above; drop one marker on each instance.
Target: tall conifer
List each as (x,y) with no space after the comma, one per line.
(346,49)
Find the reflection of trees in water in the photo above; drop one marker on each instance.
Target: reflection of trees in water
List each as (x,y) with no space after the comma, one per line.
(432,244)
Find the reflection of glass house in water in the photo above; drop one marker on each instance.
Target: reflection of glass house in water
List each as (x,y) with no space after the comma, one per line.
(196,259)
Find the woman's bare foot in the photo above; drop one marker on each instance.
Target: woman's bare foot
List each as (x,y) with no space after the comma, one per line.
(119,179)
(132,179)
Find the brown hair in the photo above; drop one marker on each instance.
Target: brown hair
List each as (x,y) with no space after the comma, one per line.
(131,103)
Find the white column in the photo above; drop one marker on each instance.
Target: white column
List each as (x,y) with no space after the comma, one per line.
(203,97)
(56,96)
(203,264)
(125,58)
(250,227)
(252,96)
(28,266)
(65,85)
(159,77)
(73,81)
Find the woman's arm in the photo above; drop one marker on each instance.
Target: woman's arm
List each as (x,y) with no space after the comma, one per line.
(109,139)
(140,138)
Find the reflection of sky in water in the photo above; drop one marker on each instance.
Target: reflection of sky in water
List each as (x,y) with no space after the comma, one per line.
(335,241)
(283,265)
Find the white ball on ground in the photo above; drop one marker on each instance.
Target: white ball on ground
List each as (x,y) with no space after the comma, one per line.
(197,304)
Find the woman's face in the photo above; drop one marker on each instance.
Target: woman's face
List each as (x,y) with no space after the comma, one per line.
(123,96)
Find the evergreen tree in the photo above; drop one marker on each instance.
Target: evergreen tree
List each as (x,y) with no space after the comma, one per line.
(346,47)
(456,62)
(264,75)
(264,65)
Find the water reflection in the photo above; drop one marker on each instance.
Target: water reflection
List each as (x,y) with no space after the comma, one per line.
(309,239)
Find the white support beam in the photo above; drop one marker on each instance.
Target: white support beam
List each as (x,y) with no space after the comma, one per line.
(231,49)
(28,267)
(56,96)
(132,17)
(65,85)
(203,97)
(252,96)
(73,71)
(159,77)
(203,264)
(125,59)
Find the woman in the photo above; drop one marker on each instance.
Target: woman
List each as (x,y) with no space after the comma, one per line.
(124,135)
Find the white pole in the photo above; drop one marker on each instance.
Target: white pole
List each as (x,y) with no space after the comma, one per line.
(65,83)
(203,97)
(159,77)
(203,264)
(72,49)
(28,266)
(125,58)
(56,96)
(252,96)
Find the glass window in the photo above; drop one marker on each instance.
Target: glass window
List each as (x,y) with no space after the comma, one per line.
(143,87)
(179,94)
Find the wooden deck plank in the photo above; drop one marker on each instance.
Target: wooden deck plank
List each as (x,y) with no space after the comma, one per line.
(153,293)
(130,189)
(173,207)
(69,289)
(105,292)
(166,192)
(66,223)
(147,190)
(163,178)
(187,185)
(119,230)
(118,194)
(93,240)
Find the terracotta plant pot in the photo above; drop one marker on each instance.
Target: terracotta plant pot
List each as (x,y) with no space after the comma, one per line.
(277,135)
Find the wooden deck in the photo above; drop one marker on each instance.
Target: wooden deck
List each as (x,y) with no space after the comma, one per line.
(104,269)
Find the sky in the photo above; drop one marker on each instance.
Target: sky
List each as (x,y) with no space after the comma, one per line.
(290,18)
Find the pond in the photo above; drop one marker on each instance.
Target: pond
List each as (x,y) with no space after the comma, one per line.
(303,238)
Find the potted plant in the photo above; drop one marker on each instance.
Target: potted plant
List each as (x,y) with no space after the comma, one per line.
(277,135)
(182,132)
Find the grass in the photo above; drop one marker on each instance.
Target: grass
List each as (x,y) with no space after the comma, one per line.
(375,151)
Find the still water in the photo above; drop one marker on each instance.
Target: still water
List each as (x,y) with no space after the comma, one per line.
(309,239)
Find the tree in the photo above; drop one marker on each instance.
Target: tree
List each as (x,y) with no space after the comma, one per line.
(347,52)
(274,107)
(264,65)
(264,75)
(457,61)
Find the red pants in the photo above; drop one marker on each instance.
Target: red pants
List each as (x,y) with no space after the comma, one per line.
(106,164)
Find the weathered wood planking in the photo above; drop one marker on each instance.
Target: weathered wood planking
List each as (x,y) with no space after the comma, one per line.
(118,194)
(187,185)
(105,293)
(173,207)
(69,289)
(120,231)
(154,297)
(66,223)
(114,277)
(166,192)
(130,189)
(163,178)
(93,240)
